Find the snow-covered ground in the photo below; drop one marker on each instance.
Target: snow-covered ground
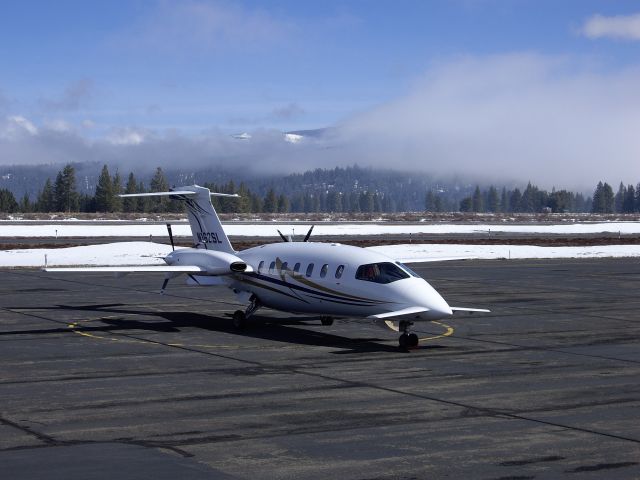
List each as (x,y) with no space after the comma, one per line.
(115,229)
(148,253)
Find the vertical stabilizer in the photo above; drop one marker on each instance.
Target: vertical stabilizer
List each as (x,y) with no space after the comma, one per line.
(205,225)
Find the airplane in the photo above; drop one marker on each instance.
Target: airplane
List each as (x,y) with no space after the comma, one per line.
(327,279)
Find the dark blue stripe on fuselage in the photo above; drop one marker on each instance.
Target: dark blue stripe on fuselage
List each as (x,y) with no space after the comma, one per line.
(316,293)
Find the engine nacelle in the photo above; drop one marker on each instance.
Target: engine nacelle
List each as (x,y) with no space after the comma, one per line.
(213,262)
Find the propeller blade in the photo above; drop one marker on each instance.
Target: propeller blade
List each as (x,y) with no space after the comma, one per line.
(170,237)
(306,238)
(164,284)
(284,239)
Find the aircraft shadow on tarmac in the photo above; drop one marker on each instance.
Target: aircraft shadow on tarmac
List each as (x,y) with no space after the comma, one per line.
(275,329)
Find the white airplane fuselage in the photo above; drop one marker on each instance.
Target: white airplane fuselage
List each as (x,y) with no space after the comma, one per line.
(320,278)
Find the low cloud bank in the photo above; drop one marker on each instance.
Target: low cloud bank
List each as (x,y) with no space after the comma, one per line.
(554,121)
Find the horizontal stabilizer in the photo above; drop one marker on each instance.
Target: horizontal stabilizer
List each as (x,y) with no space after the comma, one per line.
(141,269)
(399,313)
(470,310)
(175,192)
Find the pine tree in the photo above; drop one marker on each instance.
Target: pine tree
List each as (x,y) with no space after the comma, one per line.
(515,200)
(492,199)
(158,184)
(466,204)
(476,201)
(283,204)
(597,205)
(609,198)
(628,204)
(504,201)
(130,204)
(116,202)
(143,202)
(270,202)
(8,202)
(25,204)
(65,193)
(104,192)
(619,198)
(46,201)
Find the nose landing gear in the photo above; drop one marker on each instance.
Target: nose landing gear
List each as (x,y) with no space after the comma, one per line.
(407,340)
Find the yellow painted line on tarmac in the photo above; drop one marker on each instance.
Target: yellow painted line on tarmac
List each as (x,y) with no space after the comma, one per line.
(448,331)
(74,326)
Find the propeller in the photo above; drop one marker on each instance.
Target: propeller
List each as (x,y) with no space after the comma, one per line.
(306,237)
(170,238)
(284,239)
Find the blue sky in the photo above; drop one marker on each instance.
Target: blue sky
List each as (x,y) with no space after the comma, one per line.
(131,71)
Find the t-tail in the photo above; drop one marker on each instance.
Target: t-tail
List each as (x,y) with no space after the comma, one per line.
(205,225)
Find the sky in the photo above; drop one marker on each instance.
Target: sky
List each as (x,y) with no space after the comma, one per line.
(514,89)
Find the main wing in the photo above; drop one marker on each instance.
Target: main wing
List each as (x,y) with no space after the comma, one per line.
(150,268)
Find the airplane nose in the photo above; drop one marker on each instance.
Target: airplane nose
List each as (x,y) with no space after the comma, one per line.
(437,306)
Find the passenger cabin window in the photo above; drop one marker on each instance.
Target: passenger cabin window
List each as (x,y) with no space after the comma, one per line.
(385,272)
(272,267)
(323,270)
(310,270)
(339,271)
(296,268)
(260,266)
(285,267)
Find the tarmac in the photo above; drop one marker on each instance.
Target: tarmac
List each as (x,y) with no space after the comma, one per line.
(103,377)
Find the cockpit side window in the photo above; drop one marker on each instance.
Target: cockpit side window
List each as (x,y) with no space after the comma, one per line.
(408,270)
(384,272)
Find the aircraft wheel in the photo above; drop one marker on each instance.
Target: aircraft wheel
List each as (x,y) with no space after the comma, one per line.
(239,319)
(413,340)
(403,341)
(327,321)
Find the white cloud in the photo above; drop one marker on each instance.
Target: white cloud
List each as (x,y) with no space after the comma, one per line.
(127,136)
(550,120)
(16,126)
(58,125)
(520,116)
(619,26)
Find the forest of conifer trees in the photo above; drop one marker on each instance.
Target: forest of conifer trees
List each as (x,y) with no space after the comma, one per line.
(62,195)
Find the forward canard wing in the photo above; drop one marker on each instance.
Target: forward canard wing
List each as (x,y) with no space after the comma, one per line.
(469,310)
(405,312)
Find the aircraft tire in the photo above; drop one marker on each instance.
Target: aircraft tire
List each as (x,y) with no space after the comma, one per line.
(403,341)
(413,340)
(239,319)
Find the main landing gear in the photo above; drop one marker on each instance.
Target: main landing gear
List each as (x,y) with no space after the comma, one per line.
(326,321)
(407,340)
(240,318)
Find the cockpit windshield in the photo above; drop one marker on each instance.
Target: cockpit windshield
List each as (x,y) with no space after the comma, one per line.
(385,272)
